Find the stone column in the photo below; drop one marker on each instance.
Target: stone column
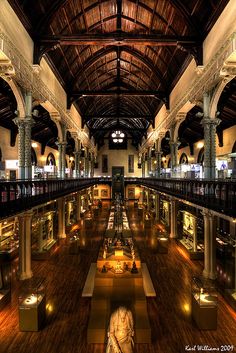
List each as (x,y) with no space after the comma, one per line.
(28,162)
(25,245)
(209,245)
(173,218)
(20,122)
(149,161)
(157,207)
(158,164)
(78,209)
(63,160)
(141,196)
(174,156)
(61,218)
(148,199)
(143,165)
(86,163)
(209,126)
(92,165)
(195,235)
(77,164)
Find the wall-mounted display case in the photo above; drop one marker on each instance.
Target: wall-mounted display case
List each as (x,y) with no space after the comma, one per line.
(32,305)
(43,235)
(9,238)
(190,234)
(165,212)
(5,284)
(204,304)
(70,212)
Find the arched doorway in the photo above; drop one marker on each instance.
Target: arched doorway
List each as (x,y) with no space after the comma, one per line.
(50,159)
(183,159)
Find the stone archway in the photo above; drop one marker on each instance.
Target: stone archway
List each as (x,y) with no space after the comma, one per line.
(50,159)
(183,159)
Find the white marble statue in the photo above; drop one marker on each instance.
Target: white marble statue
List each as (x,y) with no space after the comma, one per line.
(121,332)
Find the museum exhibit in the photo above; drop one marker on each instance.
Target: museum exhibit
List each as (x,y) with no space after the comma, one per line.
(117,176)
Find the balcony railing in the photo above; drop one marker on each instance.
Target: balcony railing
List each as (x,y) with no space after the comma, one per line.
(20,195)
(217,195)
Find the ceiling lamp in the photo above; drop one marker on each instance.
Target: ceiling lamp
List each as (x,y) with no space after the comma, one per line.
(117,136)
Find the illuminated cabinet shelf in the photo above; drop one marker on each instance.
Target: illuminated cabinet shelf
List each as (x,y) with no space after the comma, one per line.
(9,242)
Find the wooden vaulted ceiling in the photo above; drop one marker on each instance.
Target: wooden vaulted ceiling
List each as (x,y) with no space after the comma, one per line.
(118,59)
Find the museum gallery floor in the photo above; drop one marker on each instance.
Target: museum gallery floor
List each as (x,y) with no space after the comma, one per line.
(65,331)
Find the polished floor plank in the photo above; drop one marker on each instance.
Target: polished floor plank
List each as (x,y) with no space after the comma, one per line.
(68,312)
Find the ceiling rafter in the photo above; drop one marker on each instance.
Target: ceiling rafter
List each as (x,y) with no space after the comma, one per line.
(102,52)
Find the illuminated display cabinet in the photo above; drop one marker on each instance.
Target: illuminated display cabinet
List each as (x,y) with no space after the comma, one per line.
(9,240)
(204,304)
(32,305)
(5,284)
(190,234)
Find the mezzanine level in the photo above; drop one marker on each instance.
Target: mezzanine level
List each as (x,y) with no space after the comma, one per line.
(20,195)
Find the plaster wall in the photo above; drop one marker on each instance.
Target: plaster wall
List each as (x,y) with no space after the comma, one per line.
(52,83)
(76,116)
(11,25)
(223,28)
(117,158)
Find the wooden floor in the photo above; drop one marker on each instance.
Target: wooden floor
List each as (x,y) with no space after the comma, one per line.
(68,313)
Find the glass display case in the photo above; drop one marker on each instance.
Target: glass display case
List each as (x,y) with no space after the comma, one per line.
(204,304)
(190,233)
(5,284)
(9,239)
(32,305)
(74,242)
(162,243)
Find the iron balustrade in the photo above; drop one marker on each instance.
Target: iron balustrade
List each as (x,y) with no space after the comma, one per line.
(20,195)
(217,195)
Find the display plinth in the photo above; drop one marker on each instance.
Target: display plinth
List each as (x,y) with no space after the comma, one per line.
(32,306)
(112,291)
(204,305)
(162,245)
(88,222)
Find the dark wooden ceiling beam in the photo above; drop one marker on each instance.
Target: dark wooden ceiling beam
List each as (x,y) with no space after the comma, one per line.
(119,13)
(82,94)
(50,13)
(110,117)
(116,38)
(106,129)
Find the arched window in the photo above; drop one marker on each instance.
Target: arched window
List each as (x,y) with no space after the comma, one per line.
(200,158)
(234,148)
(183,159)
(33,157)
(50,159)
